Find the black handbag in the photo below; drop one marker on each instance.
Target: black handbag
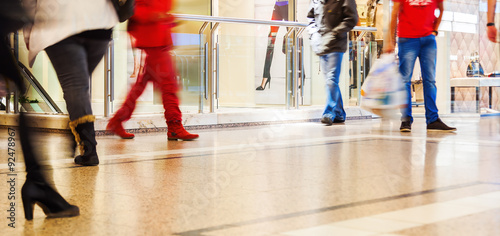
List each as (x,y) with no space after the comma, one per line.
(124,9)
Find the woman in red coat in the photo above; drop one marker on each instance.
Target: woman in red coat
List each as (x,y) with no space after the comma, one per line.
(151,28)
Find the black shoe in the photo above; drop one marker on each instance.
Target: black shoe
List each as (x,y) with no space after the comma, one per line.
(438,125)
(51,202)
(327,120)
(405,126)
(338,121)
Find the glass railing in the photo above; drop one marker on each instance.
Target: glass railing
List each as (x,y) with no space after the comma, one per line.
(226,61)
(33,99)
(220,62)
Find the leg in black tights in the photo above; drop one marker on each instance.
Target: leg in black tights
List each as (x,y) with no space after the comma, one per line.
(35,190)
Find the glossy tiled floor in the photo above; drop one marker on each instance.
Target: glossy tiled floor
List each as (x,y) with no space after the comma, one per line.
(361,178)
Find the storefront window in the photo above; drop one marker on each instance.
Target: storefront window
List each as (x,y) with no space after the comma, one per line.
(253,60)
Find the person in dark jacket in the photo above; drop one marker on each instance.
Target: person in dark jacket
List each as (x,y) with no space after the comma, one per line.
(329,23)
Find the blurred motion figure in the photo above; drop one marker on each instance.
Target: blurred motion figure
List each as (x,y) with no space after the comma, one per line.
(151,28)
(329,23)
(36,189)
(75,35)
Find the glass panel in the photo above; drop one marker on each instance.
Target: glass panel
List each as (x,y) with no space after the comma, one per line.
(314,85)
(253,60)
(189,56)
(44,85)
(35,99)
(242,56)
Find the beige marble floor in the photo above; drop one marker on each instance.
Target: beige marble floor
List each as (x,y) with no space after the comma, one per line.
(360,178)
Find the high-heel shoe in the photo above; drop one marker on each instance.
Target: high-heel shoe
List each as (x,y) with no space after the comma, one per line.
(51,202)
(267,82)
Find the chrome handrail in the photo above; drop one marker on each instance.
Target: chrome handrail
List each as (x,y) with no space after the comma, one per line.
(220,19)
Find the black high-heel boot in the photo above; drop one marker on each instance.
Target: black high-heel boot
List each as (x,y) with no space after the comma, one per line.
(51,202)
(267,82)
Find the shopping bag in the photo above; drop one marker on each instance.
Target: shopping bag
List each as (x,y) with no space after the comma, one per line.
(383,92)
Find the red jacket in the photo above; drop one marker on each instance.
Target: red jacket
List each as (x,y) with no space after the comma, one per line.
(146,26)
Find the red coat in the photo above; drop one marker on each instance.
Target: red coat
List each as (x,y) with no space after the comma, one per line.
(148,25)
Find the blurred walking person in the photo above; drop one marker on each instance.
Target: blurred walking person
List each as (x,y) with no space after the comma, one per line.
(75,35)
(36,189)
(329,24)
(151,27)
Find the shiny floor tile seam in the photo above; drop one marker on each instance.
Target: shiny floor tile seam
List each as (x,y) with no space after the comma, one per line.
(203,231)
(140,158)
(204,151)
(176,154)
(399,220)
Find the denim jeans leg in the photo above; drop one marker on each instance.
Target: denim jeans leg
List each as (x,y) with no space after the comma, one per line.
(73,59)
(331,65)
(408,51)
(428,57)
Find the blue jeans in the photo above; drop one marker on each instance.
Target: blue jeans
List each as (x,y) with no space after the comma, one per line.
(330,65)
(426,50)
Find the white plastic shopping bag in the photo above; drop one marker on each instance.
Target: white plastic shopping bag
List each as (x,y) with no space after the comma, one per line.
(383,92)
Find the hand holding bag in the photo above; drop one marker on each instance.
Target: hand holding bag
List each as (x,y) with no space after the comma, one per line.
(124,9)
(383,92)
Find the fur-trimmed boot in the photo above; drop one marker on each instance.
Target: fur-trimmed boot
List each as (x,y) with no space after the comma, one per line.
(83,129)
(176,131)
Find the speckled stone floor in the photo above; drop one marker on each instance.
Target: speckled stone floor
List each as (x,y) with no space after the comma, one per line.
(363,177)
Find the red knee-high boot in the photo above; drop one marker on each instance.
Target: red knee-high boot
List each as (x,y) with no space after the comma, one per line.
(115,126)
(125,112)
(176,131)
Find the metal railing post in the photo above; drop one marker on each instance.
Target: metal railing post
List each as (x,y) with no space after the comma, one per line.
(212,71)
(109,79)
(299,49)
(289,69)
(203,68)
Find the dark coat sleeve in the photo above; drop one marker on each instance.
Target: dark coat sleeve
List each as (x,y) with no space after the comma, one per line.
(351,18)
